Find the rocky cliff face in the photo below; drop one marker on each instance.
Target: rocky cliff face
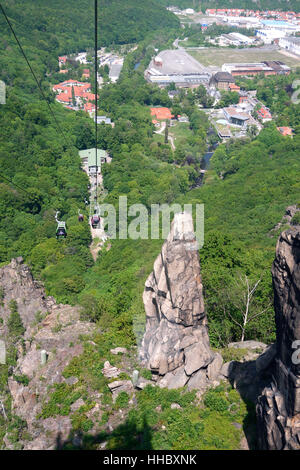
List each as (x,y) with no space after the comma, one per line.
(50,327)
(176,344)
(17,284)
(278,408)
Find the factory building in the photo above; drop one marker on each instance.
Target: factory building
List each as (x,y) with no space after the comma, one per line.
(176,66)
(291,44)
(222,81)
(251,69)
(267,36)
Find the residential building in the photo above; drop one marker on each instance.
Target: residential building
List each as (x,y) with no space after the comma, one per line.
(236,117)
(234,87)
(161,114)
(264,114)
(86,73)
(286,131)
(183,118)
(71,90)
(104,119)
(89,108)
(62,60)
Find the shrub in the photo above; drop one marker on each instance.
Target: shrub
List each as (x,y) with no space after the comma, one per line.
(122,400)
(15,325)
(296,219)
(22,379)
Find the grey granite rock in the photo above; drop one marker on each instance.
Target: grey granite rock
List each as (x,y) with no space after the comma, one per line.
(176,342)
(278,408)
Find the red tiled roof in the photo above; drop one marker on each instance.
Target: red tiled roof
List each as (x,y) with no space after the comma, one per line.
(264,113)
(69,83)
(233,86)
(285,130)
(89,107)
(89,96)
(64,97)
(161,114)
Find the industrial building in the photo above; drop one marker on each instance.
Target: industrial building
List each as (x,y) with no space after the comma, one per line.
(115,71)
(288,28)
(235,39)
(267,36)
(176,66)
(222,80)
(251,69)
(291,44)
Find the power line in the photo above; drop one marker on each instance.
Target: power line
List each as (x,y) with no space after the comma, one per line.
(14,184)
(33,73)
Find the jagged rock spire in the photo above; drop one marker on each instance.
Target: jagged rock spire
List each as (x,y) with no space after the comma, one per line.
(176,344)
(278,408)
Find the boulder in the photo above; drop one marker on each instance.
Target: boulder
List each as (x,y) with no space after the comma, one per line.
(197,356)
(118,351)
(214,368)
(251,345)
(175,406)
(198,381)
(110,371)
(265,359)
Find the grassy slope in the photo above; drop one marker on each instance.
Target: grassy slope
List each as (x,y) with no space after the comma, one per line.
(217,57)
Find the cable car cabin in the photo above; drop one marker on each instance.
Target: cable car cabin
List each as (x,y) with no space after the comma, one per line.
(80,217)
(61,231)
(95,221)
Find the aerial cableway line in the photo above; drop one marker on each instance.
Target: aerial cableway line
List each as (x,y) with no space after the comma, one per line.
(33,74)
(61,228)
(94,206)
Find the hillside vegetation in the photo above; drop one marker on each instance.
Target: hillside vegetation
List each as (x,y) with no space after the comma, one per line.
(246,191)
(292,5)
(59,25)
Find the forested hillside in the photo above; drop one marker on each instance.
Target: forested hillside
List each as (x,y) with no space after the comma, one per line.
(39,153)
(246,191)
(67,27)
(291,5)
(241,207)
